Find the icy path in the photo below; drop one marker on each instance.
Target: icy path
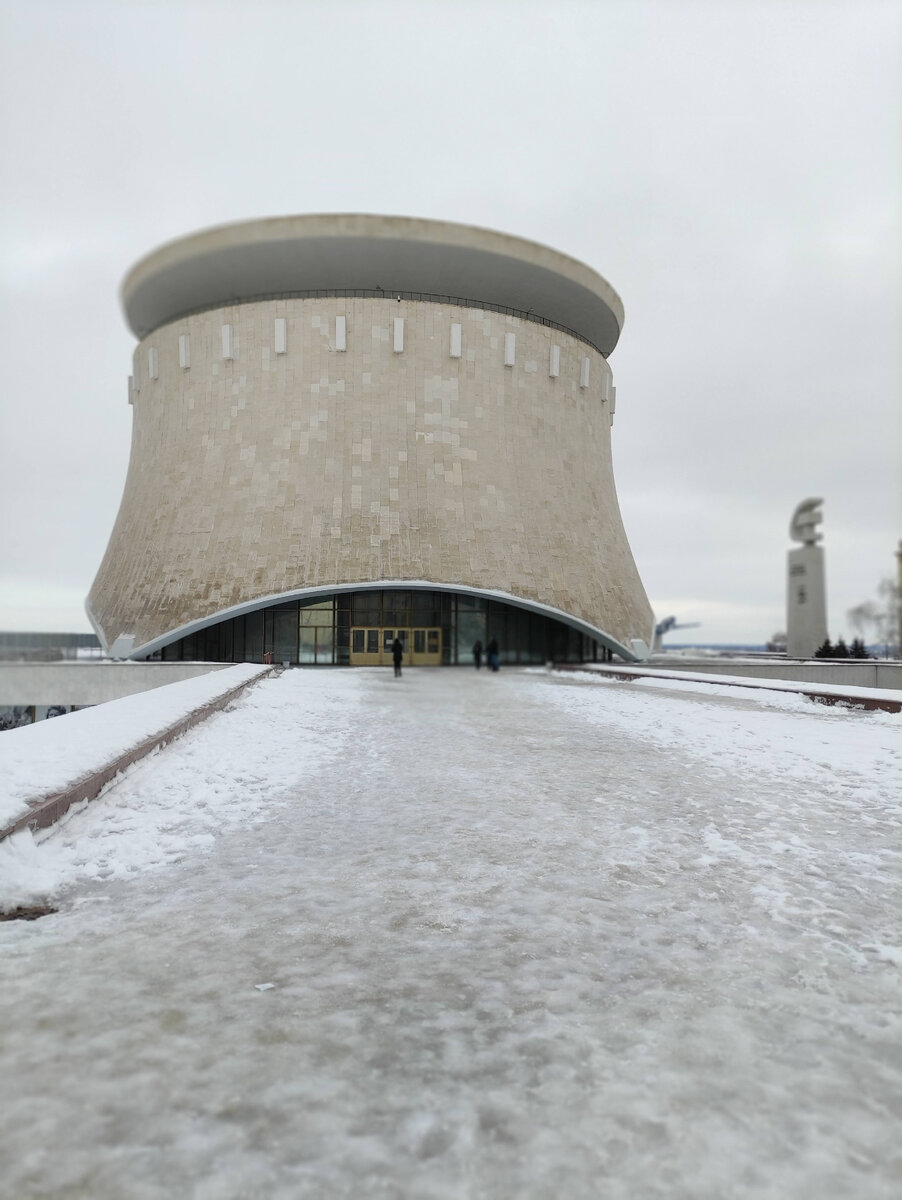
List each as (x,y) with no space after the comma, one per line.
(528,936)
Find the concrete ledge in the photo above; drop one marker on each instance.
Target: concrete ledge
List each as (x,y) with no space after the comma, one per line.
(85,683)
(851,673)
(869,698)
(49,810)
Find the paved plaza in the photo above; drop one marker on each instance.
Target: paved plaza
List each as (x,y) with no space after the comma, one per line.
(468,935)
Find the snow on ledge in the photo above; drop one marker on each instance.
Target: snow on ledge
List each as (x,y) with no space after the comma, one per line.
(863,695)
(44,758)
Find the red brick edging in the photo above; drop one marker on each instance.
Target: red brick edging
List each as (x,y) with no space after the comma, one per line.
(51,808)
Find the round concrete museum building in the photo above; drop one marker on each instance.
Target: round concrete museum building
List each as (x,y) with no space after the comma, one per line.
(351,428)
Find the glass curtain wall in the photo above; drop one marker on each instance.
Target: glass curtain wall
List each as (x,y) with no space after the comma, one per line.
(318,633)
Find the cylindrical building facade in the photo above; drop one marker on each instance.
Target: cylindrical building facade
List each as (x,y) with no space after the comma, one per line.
(331,409)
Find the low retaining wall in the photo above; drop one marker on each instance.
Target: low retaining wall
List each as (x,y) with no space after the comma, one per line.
(23,684)
(89,787)
(857,673)
(869,698)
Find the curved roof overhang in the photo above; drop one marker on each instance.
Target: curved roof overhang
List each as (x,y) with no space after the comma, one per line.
(312,594)
(340,253)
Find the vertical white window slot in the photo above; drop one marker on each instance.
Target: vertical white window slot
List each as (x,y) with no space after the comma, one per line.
(399,334)
(184,351)
(584,372)
(613,400)
(131,389)
(510,349)
(554,362)
(281,335)
(341,333)
(227,351)
(456,341)
(153,364)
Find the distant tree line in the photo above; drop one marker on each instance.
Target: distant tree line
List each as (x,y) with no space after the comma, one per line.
(840,650)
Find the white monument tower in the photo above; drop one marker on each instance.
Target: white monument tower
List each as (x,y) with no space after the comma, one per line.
(806,604)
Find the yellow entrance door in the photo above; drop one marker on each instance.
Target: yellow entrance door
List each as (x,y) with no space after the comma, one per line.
(372,647)
(366,647)
(427,648)
(388,641)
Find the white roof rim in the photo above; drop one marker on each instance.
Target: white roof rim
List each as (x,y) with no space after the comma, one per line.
(347,252)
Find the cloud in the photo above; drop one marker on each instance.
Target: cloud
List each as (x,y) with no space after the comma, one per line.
(729,168)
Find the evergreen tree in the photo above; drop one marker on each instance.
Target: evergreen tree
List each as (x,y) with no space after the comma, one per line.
(840,650)
(858,649)
(825,651)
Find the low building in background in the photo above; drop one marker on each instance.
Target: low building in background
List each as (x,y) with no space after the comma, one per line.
(21,649)
(47,647)
(352,428)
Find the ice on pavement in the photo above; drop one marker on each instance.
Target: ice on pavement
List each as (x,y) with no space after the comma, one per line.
(529,936)
(43,758)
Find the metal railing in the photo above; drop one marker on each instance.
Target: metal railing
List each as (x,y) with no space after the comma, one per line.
(382,294)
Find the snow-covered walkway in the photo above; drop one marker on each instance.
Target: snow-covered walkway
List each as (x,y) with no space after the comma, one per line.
(528,936)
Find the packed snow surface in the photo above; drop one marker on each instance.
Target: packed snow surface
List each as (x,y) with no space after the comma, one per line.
(39,760)
(468,935)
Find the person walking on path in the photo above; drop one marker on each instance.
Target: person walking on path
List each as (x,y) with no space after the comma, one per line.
(492,652)
(477,653)
(397,653)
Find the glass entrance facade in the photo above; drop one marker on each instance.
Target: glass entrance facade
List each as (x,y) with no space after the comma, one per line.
(319,633)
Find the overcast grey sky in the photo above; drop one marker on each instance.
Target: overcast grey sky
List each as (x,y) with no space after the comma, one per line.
(732,168)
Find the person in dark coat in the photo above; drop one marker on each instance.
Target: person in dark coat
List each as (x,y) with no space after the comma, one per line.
(397,653)
(477,653)
(492,652)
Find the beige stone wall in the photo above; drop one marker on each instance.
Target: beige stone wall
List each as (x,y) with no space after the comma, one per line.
(271,472)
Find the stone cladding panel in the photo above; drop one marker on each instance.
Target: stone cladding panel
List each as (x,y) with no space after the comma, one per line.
(266,473)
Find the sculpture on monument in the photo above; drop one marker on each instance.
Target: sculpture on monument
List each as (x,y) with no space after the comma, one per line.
(806,603)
